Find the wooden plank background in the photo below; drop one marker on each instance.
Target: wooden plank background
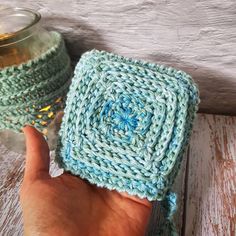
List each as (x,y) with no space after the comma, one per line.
(206,184)
(196,36)
(211,180)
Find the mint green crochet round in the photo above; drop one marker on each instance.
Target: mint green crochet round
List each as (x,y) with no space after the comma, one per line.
(27,88)
(126,124)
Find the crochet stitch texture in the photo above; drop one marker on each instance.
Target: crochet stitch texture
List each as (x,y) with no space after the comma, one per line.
(126,123)
(26,89)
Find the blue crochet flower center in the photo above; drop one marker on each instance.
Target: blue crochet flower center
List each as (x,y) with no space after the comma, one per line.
(125,117)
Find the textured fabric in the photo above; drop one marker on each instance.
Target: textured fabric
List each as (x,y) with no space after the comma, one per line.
(126,124)
(31,93)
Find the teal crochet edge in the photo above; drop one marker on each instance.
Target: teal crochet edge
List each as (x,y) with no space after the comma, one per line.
(127,124)
(27,88)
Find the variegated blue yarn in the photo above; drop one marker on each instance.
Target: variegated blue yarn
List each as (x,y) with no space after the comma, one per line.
(168,208)
(126,124)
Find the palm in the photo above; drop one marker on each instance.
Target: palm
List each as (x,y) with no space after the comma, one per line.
(81,208)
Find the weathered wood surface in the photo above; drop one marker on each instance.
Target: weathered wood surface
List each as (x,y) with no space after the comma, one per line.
(11,169)
(206,184)
(211,181)
(11,174)
(196,36)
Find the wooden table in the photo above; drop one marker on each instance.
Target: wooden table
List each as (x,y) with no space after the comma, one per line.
(206,184)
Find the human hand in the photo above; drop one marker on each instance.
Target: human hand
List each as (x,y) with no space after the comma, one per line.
(68,205)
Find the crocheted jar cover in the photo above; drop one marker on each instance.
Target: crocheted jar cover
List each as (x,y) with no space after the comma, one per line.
(126,124)
(31,93)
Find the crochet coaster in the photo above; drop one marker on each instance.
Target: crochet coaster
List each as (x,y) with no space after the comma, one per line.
(32,92)
(126,124)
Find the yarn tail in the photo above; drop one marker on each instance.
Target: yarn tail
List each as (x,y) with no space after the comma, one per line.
(169,208)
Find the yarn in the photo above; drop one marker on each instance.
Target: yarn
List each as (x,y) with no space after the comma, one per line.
(168,209)
(32,92)
(127,124)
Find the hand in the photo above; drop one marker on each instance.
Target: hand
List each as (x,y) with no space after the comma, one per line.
(68,205)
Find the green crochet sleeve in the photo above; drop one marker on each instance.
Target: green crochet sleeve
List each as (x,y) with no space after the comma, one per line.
(32,92)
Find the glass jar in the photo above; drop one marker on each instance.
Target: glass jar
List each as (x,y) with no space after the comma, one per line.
(22,38)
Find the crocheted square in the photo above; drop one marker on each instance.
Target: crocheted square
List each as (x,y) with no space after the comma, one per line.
(126,123)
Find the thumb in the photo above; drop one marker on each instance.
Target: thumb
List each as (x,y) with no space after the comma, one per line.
(37,155)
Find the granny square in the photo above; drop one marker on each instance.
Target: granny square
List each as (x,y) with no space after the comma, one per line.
(126,123)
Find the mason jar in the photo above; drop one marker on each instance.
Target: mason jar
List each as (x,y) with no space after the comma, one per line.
(22,38)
